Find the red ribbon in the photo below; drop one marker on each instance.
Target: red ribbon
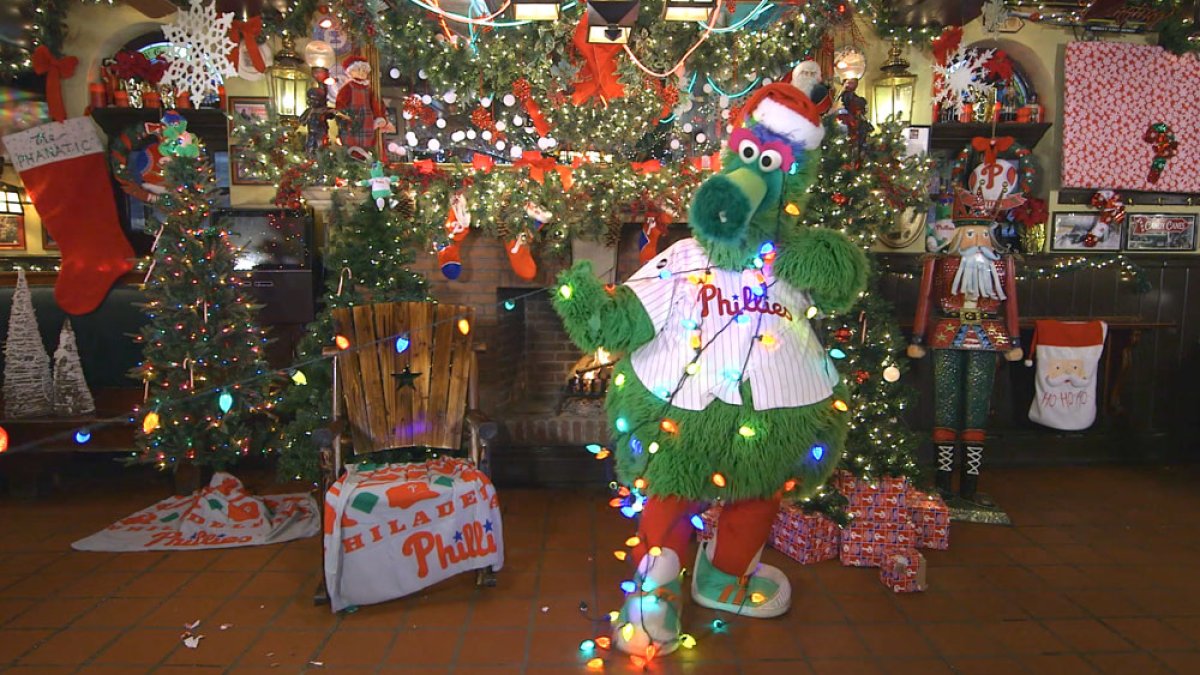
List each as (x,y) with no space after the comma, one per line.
(425,167)
(247,31)
(482,162)
(55,71)
(990,147)
(647,167)
(598,75)
(539,165)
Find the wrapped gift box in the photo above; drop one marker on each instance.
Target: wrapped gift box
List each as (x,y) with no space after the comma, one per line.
(932,518)
(884,492)
(868,544)
(804,537)
(904,571)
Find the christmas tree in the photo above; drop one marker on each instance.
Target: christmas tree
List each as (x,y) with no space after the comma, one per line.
(366,261)
(72,397)
(863,183)
(208,398)
(27,389)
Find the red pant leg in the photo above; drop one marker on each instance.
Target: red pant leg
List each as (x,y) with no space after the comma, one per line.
(741,531)
(666,523)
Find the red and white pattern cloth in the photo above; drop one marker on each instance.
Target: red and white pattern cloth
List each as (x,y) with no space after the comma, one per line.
(1068,359)
(1113,92)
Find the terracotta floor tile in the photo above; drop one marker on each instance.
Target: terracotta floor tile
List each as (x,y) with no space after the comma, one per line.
(1135,663)
(558,647)
(1025,637)
(50,670)
(219,648)
(1103,604)
(68,647)
(97,585)
(1187,626)
(502,647)
(255,612)
(829,642)
(391,615)
(439,611)
(1149,634)
(52,613)
(766,639)
(933,606)
(134,561)
(496,611)
(961,639)
(283,647)
(1056,664)
(811,606)
(919,666)
(11,607)
(985,665)
(214,584)
(17,642)
(1046,605)
(1181,662)
(888,641)
(192,561)
(155,584)
(274,584)
(176,611)
(869,608)
(434,647)
(1087,635)
(252,558)
(846,666)
(356,647)
(141,646)
(115,612)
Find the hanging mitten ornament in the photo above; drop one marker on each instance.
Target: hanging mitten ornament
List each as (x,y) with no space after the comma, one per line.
(63,165)
(654,227)
(519,254)
(381,186)
(458,224)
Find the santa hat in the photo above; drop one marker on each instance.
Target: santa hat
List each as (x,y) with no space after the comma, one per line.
(351,60)
(786,112)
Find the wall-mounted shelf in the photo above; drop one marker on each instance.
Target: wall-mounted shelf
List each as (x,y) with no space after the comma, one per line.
(954,136)
(209,124)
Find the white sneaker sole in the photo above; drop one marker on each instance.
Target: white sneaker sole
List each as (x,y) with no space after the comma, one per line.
(777,605)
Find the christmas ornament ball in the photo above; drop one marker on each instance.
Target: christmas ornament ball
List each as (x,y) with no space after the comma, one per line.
(891,374)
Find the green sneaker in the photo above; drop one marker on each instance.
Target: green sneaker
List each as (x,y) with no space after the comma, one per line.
(764,593)
(652,612)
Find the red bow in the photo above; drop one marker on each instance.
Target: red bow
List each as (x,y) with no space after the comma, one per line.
(482,162)
(425,167)
(539,165)
(247,31)
(990,147)
(55,70)
(647,167)
(598,75)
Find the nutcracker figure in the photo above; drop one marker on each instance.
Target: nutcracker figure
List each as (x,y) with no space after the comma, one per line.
(967,313)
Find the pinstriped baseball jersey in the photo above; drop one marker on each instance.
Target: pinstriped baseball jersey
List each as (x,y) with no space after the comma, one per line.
(717,328)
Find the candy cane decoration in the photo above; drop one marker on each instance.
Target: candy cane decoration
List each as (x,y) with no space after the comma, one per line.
(1165,146)
(1112,213)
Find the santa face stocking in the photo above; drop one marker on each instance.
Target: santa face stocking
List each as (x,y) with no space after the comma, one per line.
(64,169)
(520,257)
(458,224)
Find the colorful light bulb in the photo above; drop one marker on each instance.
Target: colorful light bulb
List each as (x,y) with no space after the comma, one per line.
(718,480)
(225,401)
(342,342)
(402,344)
(565,291)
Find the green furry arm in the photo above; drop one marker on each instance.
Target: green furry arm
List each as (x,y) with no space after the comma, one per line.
(595,318)
(825,264)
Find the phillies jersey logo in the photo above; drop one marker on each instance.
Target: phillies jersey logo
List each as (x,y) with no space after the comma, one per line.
(713,299)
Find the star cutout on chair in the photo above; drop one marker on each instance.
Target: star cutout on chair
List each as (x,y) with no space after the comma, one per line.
(406,378)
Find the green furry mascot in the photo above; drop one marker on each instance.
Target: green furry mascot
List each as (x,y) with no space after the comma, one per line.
(725,392)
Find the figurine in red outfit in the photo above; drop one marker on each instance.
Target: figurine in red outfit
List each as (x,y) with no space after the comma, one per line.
(361,103)
(971,293)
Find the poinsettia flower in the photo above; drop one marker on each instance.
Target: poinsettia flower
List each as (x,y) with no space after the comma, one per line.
(999,67)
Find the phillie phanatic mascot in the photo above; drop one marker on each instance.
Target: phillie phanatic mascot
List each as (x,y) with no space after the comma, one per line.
(725,392)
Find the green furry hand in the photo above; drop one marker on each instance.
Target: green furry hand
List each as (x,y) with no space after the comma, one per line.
(594,317)
(827,265)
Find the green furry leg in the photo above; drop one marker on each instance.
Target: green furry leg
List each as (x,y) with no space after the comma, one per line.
(802,444)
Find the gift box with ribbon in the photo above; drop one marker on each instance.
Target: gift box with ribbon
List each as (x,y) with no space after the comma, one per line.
(932,518)
(804,537)
(904,571)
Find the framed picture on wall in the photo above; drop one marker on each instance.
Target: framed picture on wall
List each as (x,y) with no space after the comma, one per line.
(12,232)
(48,243)
(1162,232)
(1069,230)
(238,173)
(243,109)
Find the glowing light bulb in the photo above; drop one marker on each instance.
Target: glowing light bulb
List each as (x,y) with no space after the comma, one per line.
(619,380)
(342,342)
(464,326)
(622,425)
(587,646)
(83,436)
(698,522)
(817,452)
(628,586)
(565,291)
(595,664)
(299,378)
(225,401)
(766,249)
(655,551)
(746,431)
(627,632)
(840,405)
(402,344)
(603,454)
(664,274)
(758,598)
(509,305)
(718,625)
(792,209)
(789,485)
(652,448)
(603,642)
(692,368)
(837,353)
(811,312)
(633,541)
(718,480)
(687,641)
(149,424)
(594,448)
(620,555)
(891,374)
(3,439)
(639,483)
(668,425)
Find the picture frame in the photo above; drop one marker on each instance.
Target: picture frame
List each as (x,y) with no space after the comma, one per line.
(1068,229)
(237,171)
(916,140)
(48,243)
(12,232)
(248,108)
(1160,232)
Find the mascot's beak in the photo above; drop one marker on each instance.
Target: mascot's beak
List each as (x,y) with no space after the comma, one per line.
(724,204)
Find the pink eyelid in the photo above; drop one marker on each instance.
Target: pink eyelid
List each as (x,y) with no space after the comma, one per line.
(784,151)
(739,135)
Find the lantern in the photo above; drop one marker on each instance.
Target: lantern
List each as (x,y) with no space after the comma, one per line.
(894,89)
(849,63)
(688,10)
(611,21)
(536,10)
(287,82)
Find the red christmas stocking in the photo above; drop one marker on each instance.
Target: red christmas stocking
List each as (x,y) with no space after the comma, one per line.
(458,224)
(520,257)
(64,169)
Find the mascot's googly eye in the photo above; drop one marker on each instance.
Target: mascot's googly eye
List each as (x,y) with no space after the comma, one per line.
(748,150)
(771,160)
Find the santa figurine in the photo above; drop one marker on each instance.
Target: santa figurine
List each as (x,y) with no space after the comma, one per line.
(359,101)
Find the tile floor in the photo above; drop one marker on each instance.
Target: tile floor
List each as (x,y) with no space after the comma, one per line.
(1099,575)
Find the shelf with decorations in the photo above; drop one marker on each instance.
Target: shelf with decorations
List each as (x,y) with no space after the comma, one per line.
(209,124)
(952,136)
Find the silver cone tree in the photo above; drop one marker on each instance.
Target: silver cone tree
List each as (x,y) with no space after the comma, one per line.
(27,383)
(72,398)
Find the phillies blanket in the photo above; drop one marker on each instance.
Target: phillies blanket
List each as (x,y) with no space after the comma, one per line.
(393,529)
(222,515)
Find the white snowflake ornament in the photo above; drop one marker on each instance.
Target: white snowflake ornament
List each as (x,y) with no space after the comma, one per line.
(200,46)
(962,76)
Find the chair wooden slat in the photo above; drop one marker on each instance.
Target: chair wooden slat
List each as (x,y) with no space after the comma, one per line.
(366,352)
(401,412)
(421,331)
(460,369)
(443,342)
(387,328)
(348,374)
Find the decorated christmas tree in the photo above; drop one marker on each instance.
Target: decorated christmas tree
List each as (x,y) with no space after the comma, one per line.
(208,398)
(863,184)
(366,261)
(27,390)
(72,397)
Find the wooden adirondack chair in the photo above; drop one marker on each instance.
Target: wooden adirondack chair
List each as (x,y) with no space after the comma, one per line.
(407,379)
